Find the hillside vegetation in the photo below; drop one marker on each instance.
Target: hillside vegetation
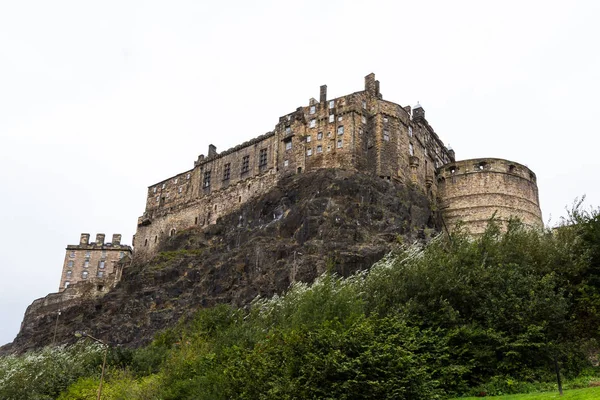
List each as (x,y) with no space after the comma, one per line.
(458,316)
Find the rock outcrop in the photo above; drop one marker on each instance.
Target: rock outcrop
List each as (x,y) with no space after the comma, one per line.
(329,219)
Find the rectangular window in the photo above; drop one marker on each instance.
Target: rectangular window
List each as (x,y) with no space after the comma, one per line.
(70,264)
(319,149)
(101,264)
(226,171)
(340,143)
(410,131)
(87,254)
(175,180)
(309,152)
(121,254)
(385,120)
(262,158)
(364,104)
(100,274)
(340,130)
(286,163)
(411,149)
(180,189)
(363,119)
(154,190)
(164,185)
(157,199)
(288,130)
(319,135)
(103,254)
(206,182)
(313,123)
(340,118)
(245,164)
(69,273)
(386,136)
(288,145)
(331,117)
(86,263)
(187,176)
(331,103)
(312,109)
(308,139)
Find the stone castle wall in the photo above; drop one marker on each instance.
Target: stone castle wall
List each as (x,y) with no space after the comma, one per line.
(473,190)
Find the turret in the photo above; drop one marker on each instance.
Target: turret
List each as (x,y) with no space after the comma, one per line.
(418,113)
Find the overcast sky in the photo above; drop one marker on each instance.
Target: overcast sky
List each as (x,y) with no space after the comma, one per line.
(99,100)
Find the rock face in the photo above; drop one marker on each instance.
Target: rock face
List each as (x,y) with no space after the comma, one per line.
(328,219)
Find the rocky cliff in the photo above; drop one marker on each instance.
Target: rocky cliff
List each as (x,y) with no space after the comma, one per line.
(329,219)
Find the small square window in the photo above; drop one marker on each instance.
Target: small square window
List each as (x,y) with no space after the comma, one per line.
(363,119)
(84,274)
(101,264)
(288,129)
(319,135)
(312,109)
(286,163)
(308,139)
(313,123)
(164,185)
(187,176)
(289,117)
(72,255)
(331,117)
(340,130)
(309,152)
(386,136)
(385,120)
(340,118)
(100,274)
(175,180)
(70,264)
(288,145)
(340,143)
(86,263)
(364,104)
(69,273)
(122,253)
(180,189)
(154,190)
(87,254)
(319,149)
(67,283)
(331,103)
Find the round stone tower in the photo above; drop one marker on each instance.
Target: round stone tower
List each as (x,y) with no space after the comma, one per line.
(472,191)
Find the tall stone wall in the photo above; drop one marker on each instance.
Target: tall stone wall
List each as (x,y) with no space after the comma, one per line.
(472,191)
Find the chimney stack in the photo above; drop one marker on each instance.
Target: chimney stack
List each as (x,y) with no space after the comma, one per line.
(370,85)
(100,239)
(212,150)
(85,238)
(323,96)
(116,239)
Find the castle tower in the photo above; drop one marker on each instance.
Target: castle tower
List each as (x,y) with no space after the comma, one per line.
(472,191)
(92,262)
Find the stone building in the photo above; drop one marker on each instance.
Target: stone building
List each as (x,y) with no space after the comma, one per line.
(94,262)
(359,131)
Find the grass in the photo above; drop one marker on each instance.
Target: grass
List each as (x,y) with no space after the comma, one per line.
(592,393)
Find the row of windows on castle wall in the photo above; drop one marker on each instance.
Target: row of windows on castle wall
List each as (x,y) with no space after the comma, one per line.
(88,254)
(313,109)
(175,181)
(245,168)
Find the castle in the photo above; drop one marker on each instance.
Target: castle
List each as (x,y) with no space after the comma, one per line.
(360,131)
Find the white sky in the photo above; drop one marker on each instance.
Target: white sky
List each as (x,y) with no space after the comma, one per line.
(98,100)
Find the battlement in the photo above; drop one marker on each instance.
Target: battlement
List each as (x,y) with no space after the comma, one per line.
(477,165)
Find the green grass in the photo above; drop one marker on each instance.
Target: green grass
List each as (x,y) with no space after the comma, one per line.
(592,393)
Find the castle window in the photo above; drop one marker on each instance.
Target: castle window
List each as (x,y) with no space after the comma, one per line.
(154,189)
(239,199)
(84,274)
(331,103)
(69,273)
(155,240)
(360,131)
(245,164)
(313,123)
(206,182)
(101,264)
(172,233)
(364,104)
(312,109)
(67,283)
(168,195)
(385,120)
(331,117)
(145,242)
(289,117)
(340,130)
(480,166)
(100,274)
(340,143)
(452,170)
(86,263)
(309,152)
(216,206)
(308,139)
(121,254)
(164,185)
(319,149)
(175,180)
(226,171)
(187,176)
(410,131)
(512,168)
(363,119)
(157,199)
(411,149)
(70,264)
(319,135)
(288,130)
(286,163)
(262,158)
(180,189)
(103,254)
(87,254)
(340,118)
(386,136)
(288,145)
